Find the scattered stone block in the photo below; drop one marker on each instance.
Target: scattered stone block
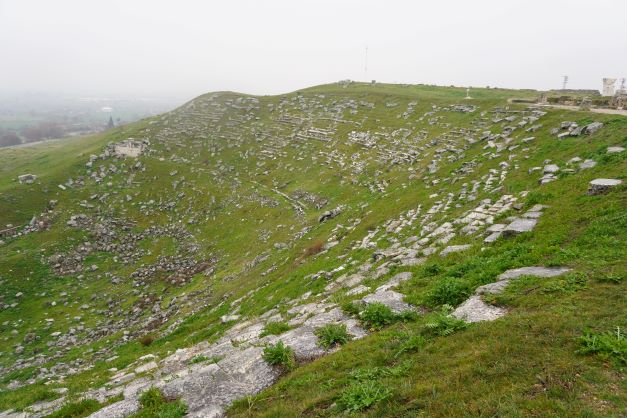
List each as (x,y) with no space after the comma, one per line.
(593,127)
(27,178)
(453,249)
(518,226)
(601,186)
(587,164)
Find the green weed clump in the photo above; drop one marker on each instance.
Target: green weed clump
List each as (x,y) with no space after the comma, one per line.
(154,404)
(331,335)
(409,344)
(609,345)
(377,315)
(361,395)
(274,328)
(443,324)
(448,291)
(279,355)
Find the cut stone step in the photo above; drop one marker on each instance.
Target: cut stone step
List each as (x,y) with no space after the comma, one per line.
(600,186)
(518,226)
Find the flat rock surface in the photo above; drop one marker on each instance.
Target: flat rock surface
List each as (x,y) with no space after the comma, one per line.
(599,186)
(519,226)
(119,409)
(389,298)
(454,249)
(533,271)
(476,310)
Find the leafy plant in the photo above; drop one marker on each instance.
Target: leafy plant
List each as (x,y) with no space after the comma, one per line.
(607,345)
(274,328)
(448,291)
(377,315)
(611,278)
(363,394)
(279,355)
(412,343)
(443,324)
(568,284)
(331,335)
(154,404)
(373,373)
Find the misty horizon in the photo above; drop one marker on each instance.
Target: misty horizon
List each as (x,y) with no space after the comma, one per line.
(157,49)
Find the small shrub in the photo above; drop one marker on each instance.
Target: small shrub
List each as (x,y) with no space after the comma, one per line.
(279,355)
(331,335)
(274,328)
(146,340)
(361,395)
(443,324)
(152,398)
(448,292)
(154,404)
(607,345)
(377,315)
(314,248)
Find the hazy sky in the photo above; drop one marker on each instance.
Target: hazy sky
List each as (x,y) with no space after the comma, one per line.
(185,48)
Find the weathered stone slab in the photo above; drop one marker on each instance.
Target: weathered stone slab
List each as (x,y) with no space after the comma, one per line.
(518,226)
(600,186)
(476,310)
(454,249)
(492,237)
(389,298)
(533,271)
(358,290)
(119,409)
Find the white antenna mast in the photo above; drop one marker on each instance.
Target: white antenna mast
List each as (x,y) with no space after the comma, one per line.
(366,63)
(564,82)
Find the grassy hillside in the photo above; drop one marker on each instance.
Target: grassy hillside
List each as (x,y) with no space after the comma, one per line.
(220,216)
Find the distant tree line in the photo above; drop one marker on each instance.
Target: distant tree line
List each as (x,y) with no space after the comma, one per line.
(31,133)
(8,138)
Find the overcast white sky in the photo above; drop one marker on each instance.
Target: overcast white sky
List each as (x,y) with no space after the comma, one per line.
(184,48)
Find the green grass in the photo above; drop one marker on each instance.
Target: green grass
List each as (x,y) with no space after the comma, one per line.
(527,363)
(274,328)
(82,408)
